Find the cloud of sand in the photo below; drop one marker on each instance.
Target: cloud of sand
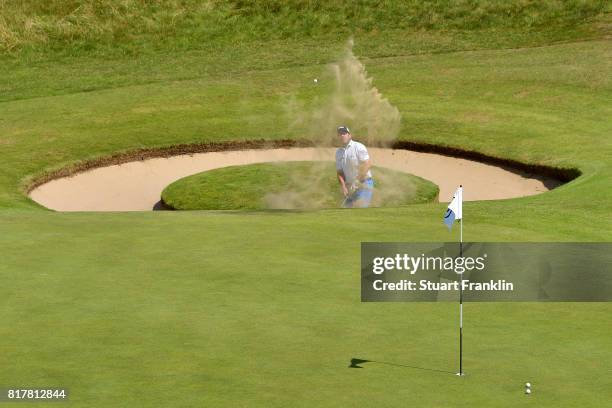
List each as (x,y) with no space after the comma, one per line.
(346,96)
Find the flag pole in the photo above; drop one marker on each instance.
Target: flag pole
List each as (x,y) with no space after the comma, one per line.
(461,292)
(455,211)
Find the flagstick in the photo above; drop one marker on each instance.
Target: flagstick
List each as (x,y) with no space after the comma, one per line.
(461,300)
(461,289)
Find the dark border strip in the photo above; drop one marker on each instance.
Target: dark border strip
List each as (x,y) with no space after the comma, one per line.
(561,175)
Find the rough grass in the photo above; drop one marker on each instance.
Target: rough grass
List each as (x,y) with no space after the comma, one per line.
(287,185)
(89,24)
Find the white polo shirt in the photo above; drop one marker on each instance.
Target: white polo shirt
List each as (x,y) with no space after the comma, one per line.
(348,159)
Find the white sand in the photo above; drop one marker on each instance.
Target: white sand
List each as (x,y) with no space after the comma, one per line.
(137,185)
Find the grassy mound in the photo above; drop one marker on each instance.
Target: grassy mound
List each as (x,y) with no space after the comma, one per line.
(288,185)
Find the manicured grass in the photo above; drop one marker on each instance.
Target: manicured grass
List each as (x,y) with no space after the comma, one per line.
(288,185)
(260,308)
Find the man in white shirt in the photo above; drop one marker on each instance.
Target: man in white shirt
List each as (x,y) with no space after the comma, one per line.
(353,170)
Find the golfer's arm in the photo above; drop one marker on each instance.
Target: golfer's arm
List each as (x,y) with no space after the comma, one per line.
(364,166)
(340,174)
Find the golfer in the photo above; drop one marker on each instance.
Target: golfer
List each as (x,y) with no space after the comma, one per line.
(353,169)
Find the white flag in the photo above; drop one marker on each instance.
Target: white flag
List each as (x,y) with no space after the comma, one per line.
(455,208)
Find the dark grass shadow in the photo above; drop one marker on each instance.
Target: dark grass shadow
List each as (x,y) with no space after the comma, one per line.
(357,362)
(161,206)
(550,176)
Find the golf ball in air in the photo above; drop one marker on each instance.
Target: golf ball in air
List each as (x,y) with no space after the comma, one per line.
(316,81)
(528,385)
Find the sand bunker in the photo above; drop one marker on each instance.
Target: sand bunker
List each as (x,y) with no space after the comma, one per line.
(137,186)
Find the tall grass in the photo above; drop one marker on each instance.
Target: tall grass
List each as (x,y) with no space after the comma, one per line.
(88,24)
